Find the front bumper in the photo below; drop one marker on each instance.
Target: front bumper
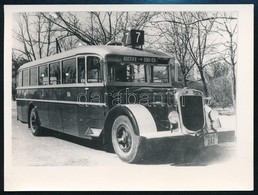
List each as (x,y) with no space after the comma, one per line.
(223,136)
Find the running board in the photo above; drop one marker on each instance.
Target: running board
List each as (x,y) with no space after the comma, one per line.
(93,132)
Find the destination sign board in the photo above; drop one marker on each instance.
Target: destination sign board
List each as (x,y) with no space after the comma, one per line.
(134,37)
(139,59)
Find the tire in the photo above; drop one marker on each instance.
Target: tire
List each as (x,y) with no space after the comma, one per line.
(125,143)
(36,130)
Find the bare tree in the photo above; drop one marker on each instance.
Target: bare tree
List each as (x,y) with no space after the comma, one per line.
(50,34)
(140,20)
(229,26)
(21,36)
(37,32)
(187,36)
(198,27)
(176,42)
(96,29)
(99,27)
(34,34)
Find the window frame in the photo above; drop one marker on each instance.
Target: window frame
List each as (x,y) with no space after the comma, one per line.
(60,72)
(168,71)
(19,79)
(76,84)
(101,69)
(38,67)
(130,65)
(37,75)
(77,73)
(148,74)
(28,77)
(61,62)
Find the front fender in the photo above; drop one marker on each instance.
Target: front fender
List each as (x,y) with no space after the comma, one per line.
(143,117)
(211,125)
(139,116)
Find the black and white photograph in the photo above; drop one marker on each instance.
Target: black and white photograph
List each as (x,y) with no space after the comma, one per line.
(143,97)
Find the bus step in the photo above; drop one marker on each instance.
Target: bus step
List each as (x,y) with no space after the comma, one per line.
(93,132)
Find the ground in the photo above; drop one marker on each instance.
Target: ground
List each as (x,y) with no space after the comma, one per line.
(55,149)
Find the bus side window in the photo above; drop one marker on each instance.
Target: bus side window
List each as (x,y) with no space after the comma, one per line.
(54,73)
(93,70)
(43,75)
(81,69)
(20,79)
(69,71)
(25,77)
(33,76)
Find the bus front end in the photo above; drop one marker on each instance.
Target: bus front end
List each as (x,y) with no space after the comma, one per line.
(147,106)
(187,123)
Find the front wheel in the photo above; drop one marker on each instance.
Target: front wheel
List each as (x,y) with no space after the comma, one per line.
(34,123)
(125,142)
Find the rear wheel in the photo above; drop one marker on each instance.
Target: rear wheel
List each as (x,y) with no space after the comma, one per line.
(125,142)
(34,123)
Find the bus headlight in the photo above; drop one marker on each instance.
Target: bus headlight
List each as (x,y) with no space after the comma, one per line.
(214,115)
(173,117)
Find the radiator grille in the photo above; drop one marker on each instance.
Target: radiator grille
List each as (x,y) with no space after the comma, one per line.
(192,112)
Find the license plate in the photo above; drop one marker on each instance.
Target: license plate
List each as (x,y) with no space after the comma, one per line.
(210,139)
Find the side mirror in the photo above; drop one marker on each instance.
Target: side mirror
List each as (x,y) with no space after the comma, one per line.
(207,100)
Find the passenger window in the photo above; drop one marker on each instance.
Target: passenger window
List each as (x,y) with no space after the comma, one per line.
(54,72)
(25,77)
(69,71)
(94,73)
(33,76)
(81,69)
(43,75)
(19,79)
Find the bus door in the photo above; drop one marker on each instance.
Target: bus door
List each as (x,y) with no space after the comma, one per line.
(91,106)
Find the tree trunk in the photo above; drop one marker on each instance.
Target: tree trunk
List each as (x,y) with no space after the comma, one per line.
(184,81)
(234,85)
(205,89)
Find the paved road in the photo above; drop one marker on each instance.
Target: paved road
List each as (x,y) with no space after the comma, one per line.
(60,150)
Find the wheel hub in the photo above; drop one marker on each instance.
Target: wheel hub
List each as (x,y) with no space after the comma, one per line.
(33,121)
(123,138)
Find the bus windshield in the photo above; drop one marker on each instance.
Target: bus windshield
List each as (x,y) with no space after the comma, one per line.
(126,72)
(137,72)
(159,74)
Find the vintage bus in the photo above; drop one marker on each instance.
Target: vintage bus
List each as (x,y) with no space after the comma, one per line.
(119,94)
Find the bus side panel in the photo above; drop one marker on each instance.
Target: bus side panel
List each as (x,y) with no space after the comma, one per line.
(55,109)
(42,108)
(19,109)
(69,111)
(83,122)
(96,114)
(19,105)
(69,116)
(91,116)
(24,107)
(55,117)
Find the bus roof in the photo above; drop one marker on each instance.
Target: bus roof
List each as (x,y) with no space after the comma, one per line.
(103,51)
